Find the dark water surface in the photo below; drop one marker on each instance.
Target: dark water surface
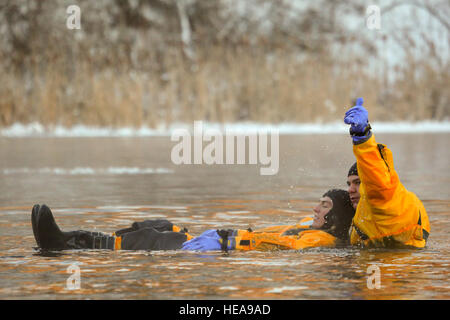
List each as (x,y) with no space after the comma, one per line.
(105,184)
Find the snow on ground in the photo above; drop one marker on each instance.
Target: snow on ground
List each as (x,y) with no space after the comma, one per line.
(38,130)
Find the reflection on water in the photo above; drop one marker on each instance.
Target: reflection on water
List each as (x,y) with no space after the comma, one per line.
(200,198)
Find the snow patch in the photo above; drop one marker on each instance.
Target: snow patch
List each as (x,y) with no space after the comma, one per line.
(37,130)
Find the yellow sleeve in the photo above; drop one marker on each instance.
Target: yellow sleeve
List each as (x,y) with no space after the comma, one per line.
(376,170)
(270,241)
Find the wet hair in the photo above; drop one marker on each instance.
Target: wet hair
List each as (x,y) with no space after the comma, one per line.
(339,218)
(353,170)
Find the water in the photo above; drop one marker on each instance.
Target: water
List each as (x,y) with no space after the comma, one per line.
(105,184)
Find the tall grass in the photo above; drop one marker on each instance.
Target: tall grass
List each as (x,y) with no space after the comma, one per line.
(222,85)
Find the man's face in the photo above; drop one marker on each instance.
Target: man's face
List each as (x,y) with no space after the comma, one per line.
(353,183)
(320,211)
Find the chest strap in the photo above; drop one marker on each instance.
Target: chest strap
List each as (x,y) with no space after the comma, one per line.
(361,234)
(425,233)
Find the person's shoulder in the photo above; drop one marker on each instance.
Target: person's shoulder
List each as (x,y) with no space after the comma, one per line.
(315,234)
(306,222)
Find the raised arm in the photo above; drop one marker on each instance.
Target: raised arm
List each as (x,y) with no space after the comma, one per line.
(375,164)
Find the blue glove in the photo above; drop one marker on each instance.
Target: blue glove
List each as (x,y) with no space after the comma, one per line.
(208,240)
(357,117)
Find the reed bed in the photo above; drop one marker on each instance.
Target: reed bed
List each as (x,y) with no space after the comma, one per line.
(220,85)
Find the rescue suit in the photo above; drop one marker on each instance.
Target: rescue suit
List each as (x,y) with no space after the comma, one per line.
(297,236)
(278,238)
(333,233)
(161,234)
(387,215)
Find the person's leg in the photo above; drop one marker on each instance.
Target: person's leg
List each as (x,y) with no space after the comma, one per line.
(49,236)
(152,239)
(160,225)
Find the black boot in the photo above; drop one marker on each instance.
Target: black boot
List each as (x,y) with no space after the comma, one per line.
(48,236)
(34,216)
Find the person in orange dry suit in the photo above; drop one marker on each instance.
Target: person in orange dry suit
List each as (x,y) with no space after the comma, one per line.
(387,214)
(329,227)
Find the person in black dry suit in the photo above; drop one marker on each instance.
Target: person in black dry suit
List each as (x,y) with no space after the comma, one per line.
(332,219)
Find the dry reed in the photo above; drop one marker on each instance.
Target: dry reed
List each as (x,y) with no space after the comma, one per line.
(222,85)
